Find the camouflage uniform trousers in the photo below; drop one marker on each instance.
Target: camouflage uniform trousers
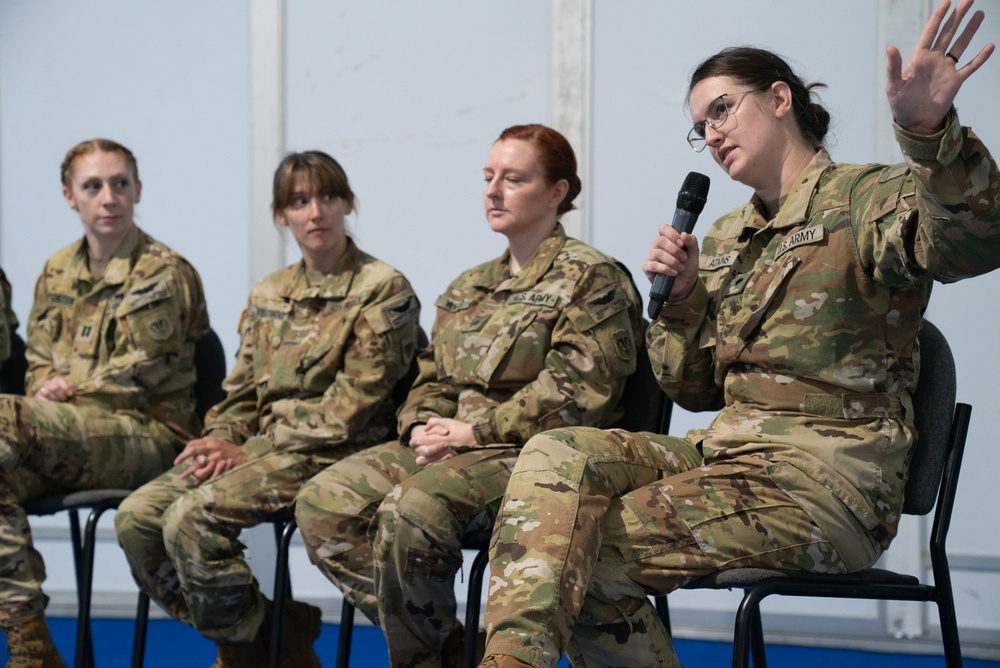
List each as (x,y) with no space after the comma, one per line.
(389,534)
(182,540)
(49,447)
(594,521)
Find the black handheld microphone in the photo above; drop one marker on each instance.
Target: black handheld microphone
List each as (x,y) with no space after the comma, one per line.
(690,202)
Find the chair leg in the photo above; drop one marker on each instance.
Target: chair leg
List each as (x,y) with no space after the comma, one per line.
(139,636)
(663,610)
(86,658)
(282,590)
(346,631)
(949,623)
(472,607)
(757,640)
(749,632)
(85,573)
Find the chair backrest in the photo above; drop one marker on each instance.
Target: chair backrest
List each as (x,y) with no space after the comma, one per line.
(934,411)
(646,406)
(210,367)
(13,371)
(402,387)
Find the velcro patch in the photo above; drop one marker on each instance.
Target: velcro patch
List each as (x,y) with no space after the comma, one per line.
(713,262)
(452,305)
(534,299)
(159,327)
(624,345)
(810,235)
(64,300)
(605,304)
(148,292)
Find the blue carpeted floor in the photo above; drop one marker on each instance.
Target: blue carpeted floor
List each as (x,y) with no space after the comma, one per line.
(173,645)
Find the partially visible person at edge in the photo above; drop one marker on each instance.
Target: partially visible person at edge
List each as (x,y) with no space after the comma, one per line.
(798,318)
(543,336)
(322,343)
(8,326)
(110,382)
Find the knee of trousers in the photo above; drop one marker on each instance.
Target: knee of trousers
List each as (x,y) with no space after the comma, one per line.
(332,517)
(12,431)
(185,521)
(419,534)
(563,452)
(136,522)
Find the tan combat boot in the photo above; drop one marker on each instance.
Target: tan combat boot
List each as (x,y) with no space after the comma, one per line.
(241,654)
(30,645)
(301,628)
(453,651)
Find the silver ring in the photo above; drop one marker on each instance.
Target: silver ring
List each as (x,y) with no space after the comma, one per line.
(952,57)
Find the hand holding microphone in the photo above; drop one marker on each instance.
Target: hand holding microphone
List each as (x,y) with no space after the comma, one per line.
(690,202)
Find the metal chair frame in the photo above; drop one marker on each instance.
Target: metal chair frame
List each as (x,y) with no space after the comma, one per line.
(932,483)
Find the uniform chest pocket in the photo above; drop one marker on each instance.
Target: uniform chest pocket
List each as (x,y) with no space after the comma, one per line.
(149,319)
(308,346)
(518,345)
(749,297)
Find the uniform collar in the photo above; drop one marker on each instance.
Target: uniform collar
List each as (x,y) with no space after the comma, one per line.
(118,268)
(337,283)
(795,210)
(496,275)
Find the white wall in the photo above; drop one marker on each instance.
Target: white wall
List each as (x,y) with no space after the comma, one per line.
(409,96)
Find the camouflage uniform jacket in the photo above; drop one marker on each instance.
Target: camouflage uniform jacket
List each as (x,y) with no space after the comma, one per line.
(317,363)
(126,342)
(804,327)
(8,321)
(516,355)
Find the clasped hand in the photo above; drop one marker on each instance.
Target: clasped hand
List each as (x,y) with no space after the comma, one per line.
(436,440)
(210,457)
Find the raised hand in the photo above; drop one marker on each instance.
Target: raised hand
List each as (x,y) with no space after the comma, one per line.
(921,93)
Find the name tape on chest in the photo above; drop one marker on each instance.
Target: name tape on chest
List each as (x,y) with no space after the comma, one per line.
(534,299)
(453,305)
(714,262)
(265,313)
(810,235)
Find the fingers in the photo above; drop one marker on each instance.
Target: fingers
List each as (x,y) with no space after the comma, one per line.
(430,457)
(947,31)
(893,70)
(928,38)
(957,49)
(55,389)
(668,253)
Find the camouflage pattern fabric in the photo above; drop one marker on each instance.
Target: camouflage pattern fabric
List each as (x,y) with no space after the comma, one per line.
(312,383)
(8,321)
(804,329)
(512,355)
(126,343)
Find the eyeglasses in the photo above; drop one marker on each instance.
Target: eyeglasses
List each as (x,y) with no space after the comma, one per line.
(715,117)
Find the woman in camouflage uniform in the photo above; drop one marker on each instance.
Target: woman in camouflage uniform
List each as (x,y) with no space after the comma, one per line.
(8,327)
(110,380)
(541,337)
(322,343)
(801,325)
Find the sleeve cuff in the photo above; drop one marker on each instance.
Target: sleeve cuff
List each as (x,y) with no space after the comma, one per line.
(943,146)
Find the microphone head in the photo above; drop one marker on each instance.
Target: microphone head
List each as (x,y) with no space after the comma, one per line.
(694,192)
